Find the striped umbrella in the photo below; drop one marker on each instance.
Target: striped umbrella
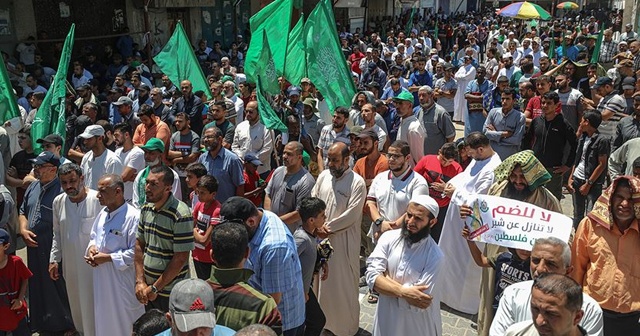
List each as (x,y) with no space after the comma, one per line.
(567,5)
(524,10)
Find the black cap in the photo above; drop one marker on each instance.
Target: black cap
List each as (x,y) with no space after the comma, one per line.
(51,138)
(369,133)
(629,83)
(46,157)
(602,81)
(237,208)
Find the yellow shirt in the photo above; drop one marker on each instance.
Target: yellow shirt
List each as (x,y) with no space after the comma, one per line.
(606,262)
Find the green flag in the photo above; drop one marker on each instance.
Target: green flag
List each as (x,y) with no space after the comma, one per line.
(410,22)
(266,69)
(268,116)
(296,62)
(178,61)
(326,65)
(275,20)
(50,117)
(8,104)
(596,50)
(564,46)
(435,34)
(552,50)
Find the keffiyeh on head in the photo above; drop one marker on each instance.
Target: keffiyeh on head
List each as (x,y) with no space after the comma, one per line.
(601,212)
(534,172)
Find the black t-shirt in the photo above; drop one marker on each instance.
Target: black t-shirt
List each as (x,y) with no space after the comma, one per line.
(509,269)
(21,162)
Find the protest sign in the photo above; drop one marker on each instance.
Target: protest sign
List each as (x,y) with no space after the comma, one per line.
(511,223)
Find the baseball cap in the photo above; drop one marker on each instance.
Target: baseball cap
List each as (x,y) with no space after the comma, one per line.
(294,91)
(433,51)
(191,305)
(116,90)
(369,50)
(4,236)
(124,100)
(369,133)
(628,83)
(372,66)
(355,130)
(305,80)
(250,157)
(434,57)
(237,208)
(153,144)
(427,202)
(144,86)
(405,96)
(92,131)
(51,138)
(448,66)
(311,103)
(602,81)
(46,157)
(507,56)
(372,85)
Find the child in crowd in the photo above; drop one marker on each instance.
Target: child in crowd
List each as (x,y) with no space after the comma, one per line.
(510,266)
(312,213)
(206,214)
(253,184)
(14,275)
(194,171)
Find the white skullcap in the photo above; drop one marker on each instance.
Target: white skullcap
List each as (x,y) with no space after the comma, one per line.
(427,202)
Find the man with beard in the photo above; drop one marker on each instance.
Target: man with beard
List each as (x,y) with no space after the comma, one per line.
(49,305)
(295,134)
(520,177)
(329,133)
(312,123)
(474,94)
(629,127)
(222,164)
(463,77)
(548,256)
(273,258)
(252,136)
(98,160)
(150,127)
(217,112)
(405,268)
(163,240)
(73,215)
(507,67)
(288,185)
(570,101)
(605,256)
(505,126)
(435,120)
(131,156)
(460,292)
(189,104)
(343,192)
(153,151)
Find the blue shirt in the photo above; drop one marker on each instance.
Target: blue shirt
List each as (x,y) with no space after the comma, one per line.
(273,257)
(389,93)
(219,330)
(226,167)
(419,79)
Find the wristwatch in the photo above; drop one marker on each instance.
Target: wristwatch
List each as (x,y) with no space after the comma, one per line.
(589,182)
(378,221)
(154,289)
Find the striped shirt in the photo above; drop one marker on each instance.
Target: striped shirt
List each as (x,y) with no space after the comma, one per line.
(238,304)
(616,104)
(164,232)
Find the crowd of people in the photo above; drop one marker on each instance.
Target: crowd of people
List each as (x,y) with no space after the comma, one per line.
(165,211)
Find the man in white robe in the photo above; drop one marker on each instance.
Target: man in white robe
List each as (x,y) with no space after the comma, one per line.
(405,268)
(344,193)
(73,216)
(110,252)
(461,290)
(463,76)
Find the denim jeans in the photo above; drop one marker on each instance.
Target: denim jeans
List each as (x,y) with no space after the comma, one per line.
(583,204)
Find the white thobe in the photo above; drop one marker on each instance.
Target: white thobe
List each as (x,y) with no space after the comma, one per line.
(463,76)
(409,265)
(338,295)
(114,282)
(412,131)
(72,224)
(461,291)
(255,139)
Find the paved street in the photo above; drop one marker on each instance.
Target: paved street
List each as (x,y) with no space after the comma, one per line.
(454,323)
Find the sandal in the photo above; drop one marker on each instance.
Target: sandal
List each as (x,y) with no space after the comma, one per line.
(372,298)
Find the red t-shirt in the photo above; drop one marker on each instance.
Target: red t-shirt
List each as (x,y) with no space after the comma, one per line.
(429,167)
(250,184)
(205,217)
(535,106)
(11,276)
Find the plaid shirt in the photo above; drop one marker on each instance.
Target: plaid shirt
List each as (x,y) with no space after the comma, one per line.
(327,136)
(608,50)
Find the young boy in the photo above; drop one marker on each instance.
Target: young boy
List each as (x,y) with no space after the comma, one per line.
(195,171)
(253,184)
(510,267)
(312,213)
(13,279)
(206,214)
(20,165)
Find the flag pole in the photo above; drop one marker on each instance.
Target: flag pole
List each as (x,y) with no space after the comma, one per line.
(286,47)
